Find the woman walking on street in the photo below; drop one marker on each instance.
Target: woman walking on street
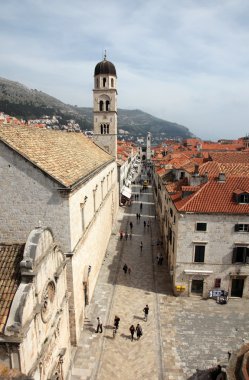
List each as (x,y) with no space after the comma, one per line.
(139,331)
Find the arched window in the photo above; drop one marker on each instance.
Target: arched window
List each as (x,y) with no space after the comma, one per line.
(104,129)
(107,105)
(101,105)
(112,82)
(97,82)
(104,82)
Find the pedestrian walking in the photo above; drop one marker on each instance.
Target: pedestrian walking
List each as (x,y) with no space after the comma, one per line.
(132,331)
(139,216)
(141,246)
(99,325)
(141,206)
(139,331)
(126,235)
(146,312)
(121,235)
(144,223)
(116,322)
(125,268)
(131,226)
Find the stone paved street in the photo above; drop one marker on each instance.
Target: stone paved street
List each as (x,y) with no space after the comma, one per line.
(181,334)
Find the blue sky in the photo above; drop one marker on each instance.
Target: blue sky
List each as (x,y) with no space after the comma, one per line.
(186,61)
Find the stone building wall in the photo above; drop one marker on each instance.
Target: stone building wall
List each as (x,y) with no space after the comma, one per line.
(30,198)
(219,240)
(39,316)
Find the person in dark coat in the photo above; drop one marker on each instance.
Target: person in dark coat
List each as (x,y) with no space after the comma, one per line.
(146,312)
(125,268)
(132,331)
(139,331)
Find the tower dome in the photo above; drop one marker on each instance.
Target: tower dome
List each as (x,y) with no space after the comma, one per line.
(105,67)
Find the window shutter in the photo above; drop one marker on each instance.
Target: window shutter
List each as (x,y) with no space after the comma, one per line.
(236,227)
(247,256)
(244,255)
(234,255)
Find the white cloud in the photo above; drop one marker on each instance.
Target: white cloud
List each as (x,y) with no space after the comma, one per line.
(185,60)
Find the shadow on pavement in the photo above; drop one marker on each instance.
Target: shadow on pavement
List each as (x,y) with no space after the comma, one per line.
(125,336)
(137,317)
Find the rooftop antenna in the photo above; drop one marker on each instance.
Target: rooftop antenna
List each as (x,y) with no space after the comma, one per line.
(105,55)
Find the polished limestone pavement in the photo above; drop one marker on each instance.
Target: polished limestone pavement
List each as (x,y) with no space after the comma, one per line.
(181,334)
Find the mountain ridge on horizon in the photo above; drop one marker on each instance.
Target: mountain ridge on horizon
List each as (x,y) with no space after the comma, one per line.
(18,100)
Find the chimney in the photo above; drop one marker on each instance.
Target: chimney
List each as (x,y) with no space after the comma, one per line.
(222,177)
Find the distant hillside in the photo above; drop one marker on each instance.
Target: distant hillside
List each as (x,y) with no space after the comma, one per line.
(20,101)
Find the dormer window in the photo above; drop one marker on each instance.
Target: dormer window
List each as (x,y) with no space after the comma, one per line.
(241,196)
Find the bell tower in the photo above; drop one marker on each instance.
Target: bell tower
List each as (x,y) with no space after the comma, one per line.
(105,107)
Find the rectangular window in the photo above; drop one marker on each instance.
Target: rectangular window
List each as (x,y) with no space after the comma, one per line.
(240,255)
(201,226)
(241,227)
(244,198)
(199,253)
(217,282)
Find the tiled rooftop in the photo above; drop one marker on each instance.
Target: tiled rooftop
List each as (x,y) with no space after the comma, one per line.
(213,168)
(215,197)
(230,157)
(67,157)
(10,257)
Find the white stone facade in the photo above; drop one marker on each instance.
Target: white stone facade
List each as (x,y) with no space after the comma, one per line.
(81,220)
(37,329)
(217,266)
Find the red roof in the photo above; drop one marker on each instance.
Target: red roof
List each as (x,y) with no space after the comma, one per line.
(230,157)
(215,197)
(213,168)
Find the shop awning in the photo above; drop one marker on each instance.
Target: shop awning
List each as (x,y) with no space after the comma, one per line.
(126,192)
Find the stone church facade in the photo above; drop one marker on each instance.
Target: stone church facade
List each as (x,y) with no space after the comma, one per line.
(63,183)
(34,319)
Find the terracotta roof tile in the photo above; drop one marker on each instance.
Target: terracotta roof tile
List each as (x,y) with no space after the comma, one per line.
(216,197)
(230,157)
(10,257)
(213,168)
(67,157)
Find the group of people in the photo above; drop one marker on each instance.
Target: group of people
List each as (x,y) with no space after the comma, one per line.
(125,235)
(146,223)
(132,329)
